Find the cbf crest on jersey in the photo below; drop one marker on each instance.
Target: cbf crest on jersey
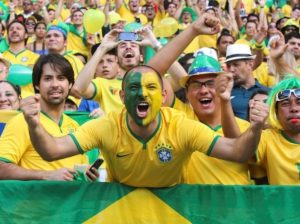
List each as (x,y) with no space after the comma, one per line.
(164,153)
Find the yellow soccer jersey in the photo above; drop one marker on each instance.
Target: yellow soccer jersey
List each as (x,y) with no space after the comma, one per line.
(107,94)
(203,169)
(74,61)
(77,67)
(280,156)
(129,17)
(25,57)
(16,146)
(76,43)
(156,162)
(261,73)
(207,41)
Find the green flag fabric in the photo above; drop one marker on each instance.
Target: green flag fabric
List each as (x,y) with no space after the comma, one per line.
(78,202)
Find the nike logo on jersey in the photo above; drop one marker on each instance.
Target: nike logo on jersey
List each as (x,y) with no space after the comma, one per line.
(232,97)
(123,155)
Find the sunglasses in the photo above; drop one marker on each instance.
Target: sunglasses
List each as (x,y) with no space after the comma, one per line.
(286,94)
(30,24)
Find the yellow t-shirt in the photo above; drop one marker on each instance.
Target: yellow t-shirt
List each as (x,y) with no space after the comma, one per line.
(76,43)
(17,148)
(107,94)
(155,162)
(25,57)
(261,73)
(280,156)
(129,17)
(77,67)
(207,41)
(203,169)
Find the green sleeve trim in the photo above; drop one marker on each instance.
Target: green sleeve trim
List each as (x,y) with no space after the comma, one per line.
(5,160)
(80,150)
(212,145)
(174,100)
(95,92)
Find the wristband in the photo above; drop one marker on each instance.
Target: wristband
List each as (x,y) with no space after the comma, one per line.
(157,46)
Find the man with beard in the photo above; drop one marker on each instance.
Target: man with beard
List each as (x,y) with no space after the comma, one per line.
(53,78)
(56,42)
(240,61)
(17,52)
(147,145)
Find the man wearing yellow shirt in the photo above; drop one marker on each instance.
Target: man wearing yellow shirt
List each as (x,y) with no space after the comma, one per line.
(56,42)
(53,77)
(147,145)
(131,11)
(278,150)
(17,52)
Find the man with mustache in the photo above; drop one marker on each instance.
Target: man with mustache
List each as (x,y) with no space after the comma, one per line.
(53,78)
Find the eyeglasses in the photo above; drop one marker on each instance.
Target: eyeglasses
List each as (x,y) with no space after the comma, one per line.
(286,94)
(25,3)
(30,24)
(198,85)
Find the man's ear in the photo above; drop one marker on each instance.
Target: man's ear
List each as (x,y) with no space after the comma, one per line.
(122,95)
(141,58)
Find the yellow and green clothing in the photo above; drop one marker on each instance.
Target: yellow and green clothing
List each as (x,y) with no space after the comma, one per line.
(107,94)
(77,41)
(155,162)
(129,17)
(16,146)
(203,169)
(25,57)
(261,73)
(279,155)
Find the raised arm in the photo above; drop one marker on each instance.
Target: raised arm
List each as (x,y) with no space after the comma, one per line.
(83,86)
(241,149)
(49,147)
(224,84)
(205,24)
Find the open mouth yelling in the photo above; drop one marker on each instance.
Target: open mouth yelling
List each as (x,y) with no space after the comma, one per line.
(205,101)
(128,54)
(142,109)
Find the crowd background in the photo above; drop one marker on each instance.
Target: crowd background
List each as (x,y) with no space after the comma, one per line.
(31,29)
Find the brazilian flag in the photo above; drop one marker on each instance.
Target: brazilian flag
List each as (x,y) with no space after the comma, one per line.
(110,203)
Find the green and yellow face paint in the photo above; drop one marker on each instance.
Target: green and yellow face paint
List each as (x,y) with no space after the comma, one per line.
(143,96)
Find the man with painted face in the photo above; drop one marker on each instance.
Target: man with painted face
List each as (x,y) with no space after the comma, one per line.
(278,150)
(147,145)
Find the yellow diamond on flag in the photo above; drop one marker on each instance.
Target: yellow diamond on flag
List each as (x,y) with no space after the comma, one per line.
(139,206)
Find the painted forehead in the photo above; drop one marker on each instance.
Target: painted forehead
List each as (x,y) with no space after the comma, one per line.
(143,76)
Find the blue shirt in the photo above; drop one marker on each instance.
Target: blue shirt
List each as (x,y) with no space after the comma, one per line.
(240,98)
(87,105)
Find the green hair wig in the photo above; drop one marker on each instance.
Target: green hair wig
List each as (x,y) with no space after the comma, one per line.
(289,82)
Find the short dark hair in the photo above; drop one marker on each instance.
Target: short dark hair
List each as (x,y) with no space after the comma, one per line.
(143,67)
(224,33)
(291,35)
(252,14)
(57,62)
(17,21)
(95,46)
